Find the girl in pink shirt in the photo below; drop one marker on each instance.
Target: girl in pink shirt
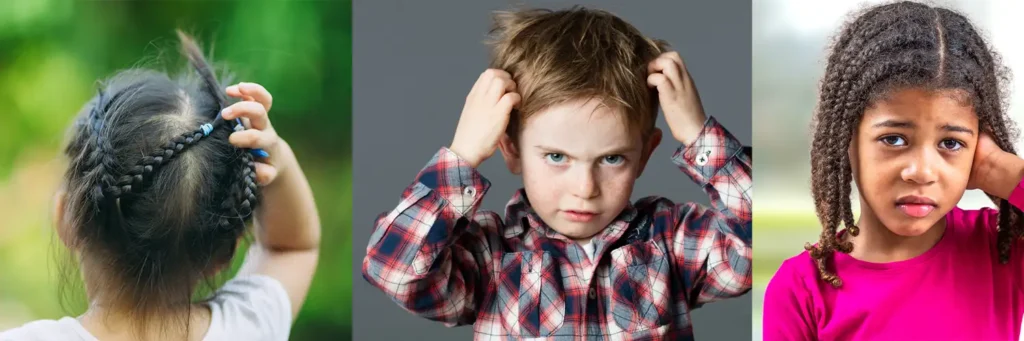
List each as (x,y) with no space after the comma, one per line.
(911,112)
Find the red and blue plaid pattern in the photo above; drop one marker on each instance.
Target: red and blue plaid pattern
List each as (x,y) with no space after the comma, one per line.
(438,257)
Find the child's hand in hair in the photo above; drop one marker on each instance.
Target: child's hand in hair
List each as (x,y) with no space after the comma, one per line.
(485,116)
(994,170)
(287,240)
(678,96)
(253,108)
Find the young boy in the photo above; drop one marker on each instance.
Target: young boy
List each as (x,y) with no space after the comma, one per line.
(571,102)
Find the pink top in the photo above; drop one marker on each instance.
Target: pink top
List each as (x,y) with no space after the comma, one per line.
(955,291)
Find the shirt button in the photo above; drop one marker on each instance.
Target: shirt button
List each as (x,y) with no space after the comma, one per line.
(703,157)
(470,191)
(593,293)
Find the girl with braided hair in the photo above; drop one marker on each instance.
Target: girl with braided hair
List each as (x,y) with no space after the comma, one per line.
(159,190)
(910,112)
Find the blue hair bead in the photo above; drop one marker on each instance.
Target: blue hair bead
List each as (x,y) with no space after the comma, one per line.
(207,129)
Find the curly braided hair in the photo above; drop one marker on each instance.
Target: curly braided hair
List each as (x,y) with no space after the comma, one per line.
(888,47)
(155,193)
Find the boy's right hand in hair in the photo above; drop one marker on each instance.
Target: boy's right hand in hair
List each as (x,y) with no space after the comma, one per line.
(485,116)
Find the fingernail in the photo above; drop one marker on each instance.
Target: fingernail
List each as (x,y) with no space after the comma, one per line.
(232,88)
(260,153)
(226,113)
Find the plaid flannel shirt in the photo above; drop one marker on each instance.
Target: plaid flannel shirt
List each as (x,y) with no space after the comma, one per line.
(441,258)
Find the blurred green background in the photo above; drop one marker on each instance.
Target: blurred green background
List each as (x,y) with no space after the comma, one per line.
(52,52)
(790,45)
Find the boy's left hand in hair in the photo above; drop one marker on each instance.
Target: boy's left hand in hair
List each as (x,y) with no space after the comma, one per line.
(678,96)
(253,110)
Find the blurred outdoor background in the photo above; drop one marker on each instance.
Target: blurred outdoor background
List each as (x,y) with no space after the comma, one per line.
(52,52)
(790,42)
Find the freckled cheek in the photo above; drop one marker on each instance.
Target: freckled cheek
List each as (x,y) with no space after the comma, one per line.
(617,186)
(543,185)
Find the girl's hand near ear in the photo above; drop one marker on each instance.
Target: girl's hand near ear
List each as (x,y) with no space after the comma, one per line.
(678,96)
(994,171)
(985,149)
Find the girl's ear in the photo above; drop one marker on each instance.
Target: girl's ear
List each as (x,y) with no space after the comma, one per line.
(60,224)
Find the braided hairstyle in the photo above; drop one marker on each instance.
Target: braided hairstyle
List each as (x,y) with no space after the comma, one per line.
(156,196)
(886,48)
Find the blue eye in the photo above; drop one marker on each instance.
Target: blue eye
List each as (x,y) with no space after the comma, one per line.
(614,159)
(893,140)
(951,144)
(555,157)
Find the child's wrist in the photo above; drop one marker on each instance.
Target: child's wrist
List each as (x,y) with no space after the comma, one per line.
(688,133)
(464,155)
(1003,173)
(283,158)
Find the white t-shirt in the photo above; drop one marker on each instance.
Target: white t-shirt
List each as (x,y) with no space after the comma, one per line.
(252,307)
(588,247)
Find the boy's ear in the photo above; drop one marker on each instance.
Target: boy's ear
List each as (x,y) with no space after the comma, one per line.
(510,153)
(650,145)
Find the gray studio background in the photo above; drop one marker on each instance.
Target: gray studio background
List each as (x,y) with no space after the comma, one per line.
(413,64)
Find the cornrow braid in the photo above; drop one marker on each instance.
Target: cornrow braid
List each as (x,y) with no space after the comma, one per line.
(100,162)
(237,207)
(135,178)
(898,45)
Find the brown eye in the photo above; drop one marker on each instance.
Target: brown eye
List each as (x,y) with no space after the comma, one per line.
(893,140)
(951,144)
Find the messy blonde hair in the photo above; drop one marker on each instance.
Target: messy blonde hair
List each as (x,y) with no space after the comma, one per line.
(574,54)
